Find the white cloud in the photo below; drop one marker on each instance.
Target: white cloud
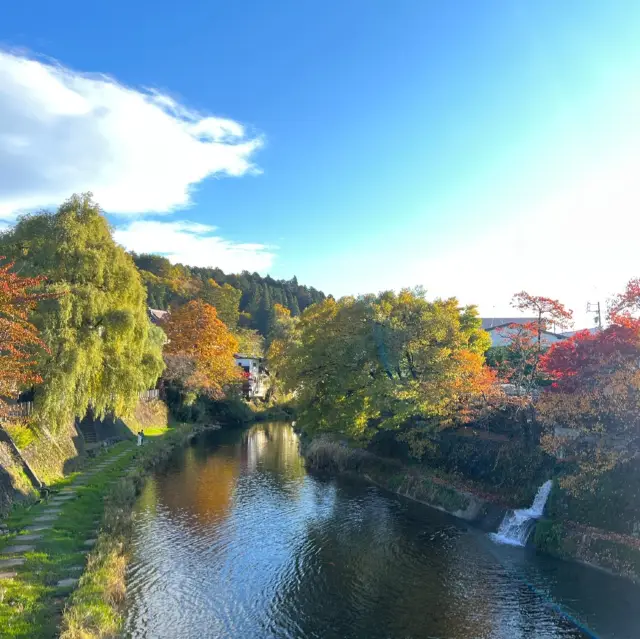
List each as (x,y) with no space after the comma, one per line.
(194,244)
(137,150)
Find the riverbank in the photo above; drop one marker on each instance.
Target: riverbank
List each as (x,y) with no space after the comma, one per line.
(77,538)
(612,552)
(615,553)
(432,489)
(95,607)
(44,549)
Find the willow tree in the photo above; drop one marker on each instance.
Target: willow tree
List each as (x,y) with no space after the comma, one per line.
(102,349)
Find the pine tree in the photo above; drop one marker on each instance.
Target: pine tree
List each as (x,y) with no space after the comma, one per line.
(263,317)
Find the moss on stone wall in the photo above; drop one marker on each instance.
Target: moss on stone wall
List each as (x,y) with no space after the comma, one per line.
(51,457)
(421,487)
(14,484)
(615,553)
(152,414)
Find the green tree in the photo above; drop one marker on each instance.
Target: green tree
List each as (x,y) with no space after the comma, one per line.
(252,306)
(395,361)
(264,311)
(250,342)
(103,351)
(225,299)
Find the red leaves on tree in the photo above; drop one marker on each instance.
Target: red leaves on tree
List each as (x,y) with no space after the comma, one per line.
(549,312)
(578,362)
(622,306)
(19,339)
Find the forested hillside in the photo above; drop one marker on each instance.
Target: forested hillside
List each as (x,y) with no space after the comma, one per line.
(170,285)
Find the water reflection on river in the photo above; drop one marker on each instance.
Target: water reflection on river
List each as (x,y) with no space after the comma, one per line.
(237,541)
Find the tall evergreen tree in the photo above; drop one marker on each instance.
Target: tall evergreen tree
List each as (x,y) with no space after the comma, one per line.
(264,313)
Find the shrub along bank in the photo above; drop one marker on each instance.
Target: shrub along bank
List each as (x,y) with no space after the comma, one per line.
(95,608)
(599,526)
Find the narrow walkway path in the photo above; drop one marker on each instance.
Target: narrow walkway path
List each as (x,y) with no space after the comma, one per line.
(43,555)
(12,556)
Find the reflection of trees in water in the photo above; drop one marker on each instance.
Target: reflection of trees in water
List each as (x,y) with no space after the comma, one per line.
(203,482)
(362,572)
(275,448)
(148,499)
(202,486)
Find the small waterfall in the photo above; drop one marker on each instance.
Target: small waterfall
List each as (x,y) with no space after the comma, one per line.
(517,524)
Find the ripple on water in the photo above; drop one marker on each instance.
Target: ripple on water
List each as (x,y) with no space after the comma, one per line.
(236,542)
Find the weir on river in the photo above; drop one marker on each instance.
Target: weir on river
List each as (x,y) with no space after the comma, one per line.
(235,540)
(518,524)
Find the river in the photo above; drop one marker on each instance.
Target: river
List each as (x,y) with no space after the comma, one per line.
(235,540)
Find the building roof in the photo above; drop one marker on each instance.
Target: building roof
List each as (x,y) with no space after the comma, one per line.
(593,330)
(558,336)
(494,322)
(157,316)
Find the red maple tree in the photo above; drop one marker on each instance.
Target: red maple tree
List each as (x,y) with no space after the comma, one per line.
(624,305)
(596,394)
(19,340)
(549,312)
(579,362)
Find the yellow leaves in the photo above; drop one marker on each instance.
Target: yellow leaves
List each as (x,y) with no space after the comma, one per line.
(281,312)
(196,334)
(369,363)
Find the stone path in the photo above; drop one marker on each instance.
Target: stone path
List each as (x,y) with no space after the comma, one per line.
(12,556)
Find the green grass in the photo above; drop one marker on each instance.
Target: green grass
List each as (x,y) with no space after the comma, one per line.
(31,604)
(28,602)
(156,431)
(95,610)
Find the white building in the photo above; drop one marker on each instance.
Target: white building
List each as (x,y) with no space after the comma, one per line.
(256,376)
(501,330)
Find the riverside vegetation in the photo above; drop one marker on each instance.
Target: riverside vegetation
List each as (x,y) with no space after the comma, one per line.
(415,382)
(76,340)
(397,386)
(95,607)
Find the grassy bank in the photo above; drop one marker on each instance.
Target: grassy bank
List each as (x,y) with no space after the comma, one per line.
(30,603)
(95,608)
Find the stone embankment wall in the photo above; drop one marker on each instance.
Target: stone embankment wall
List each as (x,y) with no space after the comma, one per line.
(51,457)
(616,553)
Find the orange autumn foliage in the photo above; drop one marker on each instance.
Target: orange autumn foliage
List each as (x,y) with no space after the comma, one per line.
(205,347)
(19,340)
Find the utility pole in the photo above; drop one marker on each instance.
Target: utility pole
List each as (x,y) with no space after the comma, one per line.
(595,308)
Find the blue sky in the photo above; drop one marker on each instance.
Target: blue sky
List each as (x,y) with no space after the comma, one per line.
(475,148)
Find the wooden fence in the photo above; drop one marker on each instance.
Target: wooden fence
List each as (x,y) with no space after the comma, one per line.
(25,409)
(21,409)
(148,395)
